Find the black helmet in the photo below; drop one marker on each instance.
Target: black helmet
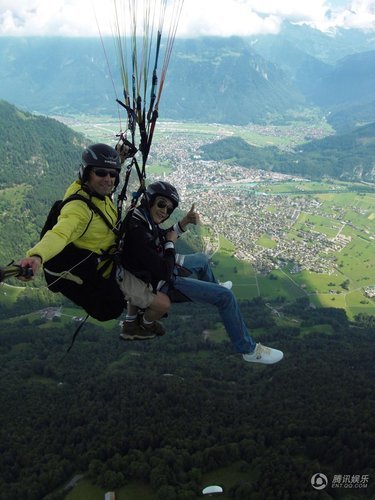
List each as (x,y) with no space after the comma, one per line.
(99,155)
(161,188)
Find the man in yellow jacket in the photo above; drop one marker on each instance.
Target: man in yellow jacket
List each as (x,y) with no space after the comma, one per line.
(76,252)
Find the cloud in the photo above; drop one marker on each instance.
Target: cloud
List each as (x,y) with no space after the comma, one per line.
(47,17)
(199,18)
(225,18)
(360,14)
(251,17)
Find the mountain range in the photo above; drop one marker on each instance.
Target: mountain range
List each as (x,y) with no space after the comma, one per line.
(223,80)
(348,156)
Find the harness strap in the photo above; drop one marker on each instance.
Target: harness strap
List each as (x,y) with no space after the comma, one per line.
(92,206)
(67,275)
(77,331)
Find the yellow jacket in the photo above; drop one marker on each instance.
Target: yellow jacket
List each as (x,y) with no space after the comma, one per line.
(78,224)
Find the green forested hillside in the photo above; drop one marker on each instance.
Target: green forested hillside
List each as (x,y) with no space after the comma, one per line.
(343,156)
(38,158)
(170,414)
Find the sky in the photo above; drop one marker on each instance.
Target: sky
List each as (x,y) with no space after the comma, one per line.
(199,17)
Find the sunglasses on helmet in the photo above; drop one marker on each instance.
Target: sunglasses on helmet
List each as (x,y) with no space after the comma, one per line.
(103,172)
(164,204)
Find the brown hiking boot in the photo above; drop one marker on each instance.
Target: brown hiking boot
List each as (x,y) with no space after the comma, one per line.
(132,330)
(155,327)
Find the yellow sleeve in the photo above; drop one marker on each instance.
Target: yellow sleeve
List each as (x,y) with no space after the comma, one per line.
(71,224)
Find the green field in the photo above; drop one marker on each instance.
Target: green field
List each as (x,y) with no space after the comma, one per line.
(9,293)
(159,170)
(323,290)
(227,267)
(266,242)
(105,128)
(342,211)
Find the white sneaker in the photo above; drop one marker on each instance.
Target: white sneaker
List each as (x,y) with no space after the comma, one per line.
(227,284)
(263,354)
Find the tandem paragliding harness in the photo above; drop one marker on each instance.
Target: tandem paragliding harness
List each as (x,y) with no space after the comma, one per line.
(78,273)
(77,266)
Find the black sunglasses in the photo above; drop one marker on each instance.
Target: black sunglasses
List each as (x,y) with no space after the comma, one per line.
(103,172)
(164,204)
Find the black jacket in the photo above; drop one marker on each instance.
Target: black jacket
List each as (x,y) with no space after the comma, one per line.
(146,253)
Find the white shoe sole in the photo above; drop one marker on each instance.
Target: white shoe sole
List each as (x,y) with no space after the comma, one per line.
(265,360)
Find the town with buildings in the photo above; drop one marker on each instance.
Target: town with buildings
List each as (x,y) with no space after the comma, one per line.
(231,204)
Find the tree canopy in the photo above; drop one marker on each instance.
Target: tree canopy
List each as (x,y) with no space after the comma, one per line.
(168,411)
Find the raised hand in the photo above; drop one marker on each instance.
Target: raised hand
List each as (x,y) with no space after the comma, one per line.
(192,217)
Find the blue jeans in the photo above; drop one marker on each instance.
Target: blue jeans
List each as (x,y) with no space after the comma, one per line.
(204,287)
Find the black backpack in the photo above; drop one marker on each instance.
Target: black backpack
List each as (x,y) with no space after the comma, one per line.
(56,209)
